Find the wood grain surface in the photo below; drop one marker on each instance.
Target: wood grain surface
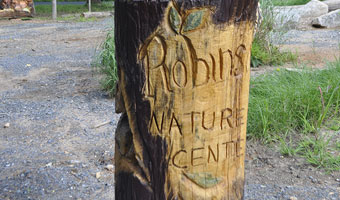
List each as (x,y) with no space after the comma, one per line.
(184,84)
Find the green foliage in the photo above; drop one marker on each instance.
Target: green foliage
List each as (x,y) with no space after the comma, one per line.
(106,64)
(289,2)
(264,52)
(268,54)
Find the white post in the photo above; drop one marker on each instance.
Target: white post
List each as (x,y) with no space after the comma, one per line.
(89,5)
(54,9)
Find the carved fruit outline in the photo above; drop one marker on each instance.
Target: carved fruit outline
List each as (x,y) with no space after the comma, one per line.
(182,22)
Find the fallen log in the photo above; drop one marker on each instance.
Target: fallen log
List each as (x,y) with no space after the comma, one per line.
(96,14)
(9,13)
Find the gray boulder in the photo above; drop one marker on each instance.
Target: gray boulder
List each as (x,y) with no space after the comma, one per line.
(329,20)
(296,16)
(314,8)
(332,4)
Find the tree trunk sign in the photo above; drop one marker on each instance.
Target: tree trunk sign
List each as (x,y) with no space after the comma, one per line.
(184,70)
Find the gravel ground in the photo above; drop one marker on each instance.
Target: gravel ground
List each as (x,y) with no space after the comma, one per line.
(52,100)
(61,133)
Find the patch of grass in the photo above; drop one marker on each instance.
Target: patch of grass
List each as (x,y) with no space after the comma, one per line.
(61,9)
(334,124)
(291,100)
(46,10)
(287,147)
(317,151)
(301,103)
(289,2)
(106,64)
(72,18)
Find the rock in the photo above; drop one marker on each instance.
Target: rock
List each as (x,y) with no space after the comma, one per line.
(7,125)
(98,175)
(296,16)
(97,14)
(293,198)
(332,4)
(329,20)
(313,179)
(287,16)
(314,8)
(109,167)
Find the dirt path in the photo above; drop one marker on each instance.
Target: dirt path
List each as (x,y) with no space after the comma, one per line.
(52,100)
(315,47)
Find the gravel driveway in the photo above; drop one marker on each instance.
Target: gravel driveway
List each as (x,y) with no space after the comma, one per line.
(60,138)
(53,102)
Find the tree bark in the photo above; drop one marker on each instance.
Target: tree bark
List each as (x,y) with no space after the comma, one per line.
(183,89)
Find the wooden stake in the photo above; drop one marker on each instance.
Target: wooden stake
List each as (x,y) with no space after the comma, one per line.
(54,9)
(184,70)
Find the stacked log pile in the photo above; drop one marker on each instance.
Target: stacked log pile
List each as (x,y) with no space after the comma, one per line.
(16,8)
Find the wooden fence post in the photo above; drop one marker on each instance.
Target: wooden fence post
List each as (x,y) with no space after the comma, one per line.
(54,9)
(183,90)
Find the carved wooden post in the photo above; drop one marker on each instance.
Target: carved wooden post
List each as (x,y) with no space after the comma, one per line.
(184,80)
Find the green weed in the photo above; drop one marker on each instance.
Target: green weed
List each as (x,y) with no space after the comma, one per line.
(264,52)
(317,151)
(106,64)
(334,124)
(287,145)
(268,54)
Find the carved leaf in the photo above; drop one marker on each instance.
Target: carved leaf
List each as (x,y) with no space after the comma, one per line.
(175,19)
(194,20)
(205,180)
